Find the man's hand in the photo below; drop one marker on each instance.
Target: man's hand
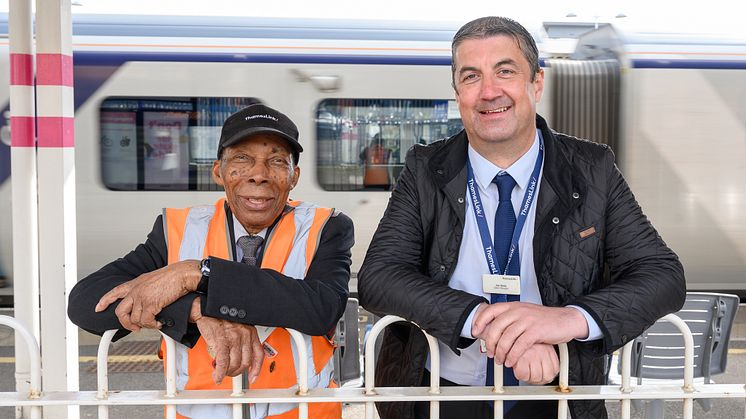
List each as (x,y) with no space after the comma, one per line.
(236,346)
(510,329)
(145,296)
(538,365)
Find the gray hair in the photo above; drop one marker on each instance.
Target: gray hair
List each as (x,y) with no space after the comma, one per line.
(487,27)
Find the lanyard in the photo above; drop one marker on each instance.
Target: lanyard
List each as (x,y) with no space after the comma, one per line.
(484,232)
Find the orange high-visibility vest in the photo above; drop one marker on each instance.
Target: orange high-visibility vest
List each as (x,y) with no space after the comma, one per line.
(199,232)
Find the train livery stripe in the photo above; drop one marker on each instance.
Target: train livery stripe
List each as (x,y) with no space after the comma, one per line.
(265,47)
(121,57)
(690,64)
(54,70)
(21,69)
(22,128)
(56,131)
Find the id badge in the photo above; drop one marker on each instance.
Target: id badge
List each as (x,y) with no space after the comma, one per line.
(501,284)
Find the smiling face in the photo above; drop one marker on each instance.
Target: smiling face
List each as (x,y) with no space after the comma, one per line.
(496,92)
(258,175)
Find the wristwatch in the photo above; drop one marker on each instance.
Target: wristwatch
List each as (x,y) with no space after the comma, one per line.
(204,268)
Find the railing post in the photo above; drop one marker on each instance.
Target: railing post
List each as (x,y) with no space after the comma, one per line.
(626,373)
(170,375)
(370,354)
(102,372)
(432,343)
(688,386)
(237,392)
(564,382)
(300,343)
(498,389)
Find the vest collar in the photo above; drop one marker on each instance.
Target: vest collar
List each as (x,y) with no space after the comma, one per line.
(230,227)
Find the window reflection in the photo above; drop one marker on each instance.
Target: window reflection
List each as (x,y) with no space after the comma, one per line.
(362,143)
(162,143)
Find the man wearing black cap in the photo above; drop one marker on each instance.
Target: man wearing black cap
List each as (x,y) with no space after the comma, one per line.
(217,271)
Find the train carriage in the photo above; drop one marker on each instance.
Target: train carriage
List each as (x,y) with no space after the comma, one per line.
(152,91)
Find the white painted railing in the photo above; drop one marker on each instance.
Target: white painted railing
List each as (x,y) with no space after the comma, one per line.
(302,395)
(34,393)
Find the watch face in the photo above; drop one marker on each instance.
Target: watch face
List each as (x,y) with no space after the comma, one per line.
(205,267)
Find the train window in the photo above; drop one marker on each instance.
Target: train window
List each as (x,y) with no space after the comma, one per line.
(362,143)
(162,143)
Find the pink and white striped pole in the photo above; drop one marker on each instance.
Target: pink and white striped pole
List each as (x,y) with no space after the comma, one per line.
(23,183)
(57,220)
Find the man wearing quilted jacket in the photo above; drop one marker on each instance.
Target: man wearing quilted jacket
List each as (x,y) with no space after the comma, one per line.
(508,239)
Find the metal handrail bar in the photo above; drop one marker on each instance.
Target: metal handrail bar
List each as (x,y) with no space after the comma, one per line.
(688,386)
(435,371)
(370,365)
(34,360)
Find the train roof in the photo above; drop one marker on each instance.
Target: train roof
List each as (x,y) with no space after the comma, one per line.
(255,27)
(420,42)
(662,50)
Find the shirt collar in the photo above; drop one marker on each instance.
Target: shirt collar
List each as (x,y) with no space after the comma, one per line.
(239,231)
(521,170)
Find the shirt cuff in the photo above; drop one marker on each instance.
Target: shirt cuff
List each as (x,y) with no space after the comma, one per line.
(594,332)
(466,330)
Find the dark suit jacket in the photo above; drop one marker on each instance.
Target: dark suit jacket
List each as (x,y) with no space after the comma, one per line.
(312,305)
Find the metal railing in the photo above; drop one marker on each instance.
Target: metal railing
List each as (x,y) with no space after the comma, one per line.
(371,394)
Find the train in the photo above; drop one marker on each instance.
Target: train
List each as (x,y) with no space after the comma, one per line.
(151,93)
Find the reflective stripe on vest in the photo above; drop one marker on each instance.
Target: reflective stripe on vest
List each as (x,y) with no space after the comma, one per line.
(202,231)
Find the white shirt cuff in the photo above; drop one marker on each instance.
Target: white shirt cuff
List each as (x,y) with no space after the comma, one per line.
(466,330)
(594,332)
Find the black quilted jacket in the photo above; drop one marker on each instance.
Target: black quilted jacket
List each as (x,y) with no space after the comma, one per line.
(624,275)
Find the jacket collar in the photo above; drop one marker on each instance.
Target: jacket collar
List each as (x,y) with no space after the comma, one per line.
(447,168)
(558,181)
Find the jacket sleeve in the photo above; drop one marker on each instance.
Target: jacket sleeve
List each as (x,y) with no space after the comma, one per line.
(647,279)
(266,297)
(394,277)
(146,257)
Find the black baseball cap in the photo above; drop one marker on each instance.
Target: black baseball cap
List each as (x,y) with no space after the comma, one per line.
(256,119)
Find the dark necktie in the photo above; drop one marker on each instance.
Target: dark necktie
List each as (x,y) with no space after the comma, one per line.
(249,245)
(504,226)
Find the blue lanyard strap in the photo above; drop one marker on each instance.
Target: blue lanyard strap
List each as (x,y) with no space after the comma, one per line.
(484,232)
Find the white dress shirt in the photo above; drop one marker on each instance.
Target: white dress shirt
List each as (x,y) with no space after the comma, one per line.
(470,368)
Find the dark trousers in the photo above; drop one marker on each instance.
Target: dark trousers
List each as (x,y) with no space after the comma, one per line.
(534,409)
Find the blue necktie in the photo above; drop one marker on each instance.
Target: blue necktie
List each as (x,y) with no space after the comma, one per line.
(504,226)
